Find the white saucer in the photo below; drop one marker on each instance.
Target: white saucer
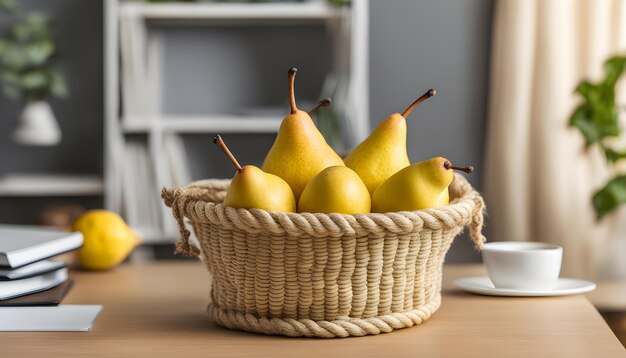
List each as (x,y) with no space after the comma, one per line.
(564,286)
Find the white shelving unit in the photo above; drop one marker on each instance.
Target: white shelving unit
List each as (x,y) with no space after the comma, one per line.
(141,138)
(310,10)
(45,184)
(205,124)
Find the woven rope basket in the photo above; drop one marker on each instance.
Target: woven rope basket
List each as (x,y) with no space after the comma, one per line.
(322,275)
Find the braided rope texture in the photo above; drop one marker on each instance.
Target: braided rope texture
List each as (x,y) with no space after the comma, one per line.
(322,275)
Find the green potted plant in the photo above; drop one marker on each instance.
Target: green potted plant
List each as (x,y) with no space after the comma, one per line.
(601,120)
(28,72)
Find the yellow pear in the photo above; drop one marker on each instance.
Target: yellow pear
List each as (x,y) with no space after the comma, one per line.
(299,151)
(253,188)
(335,190)
(383,153)
(419,186)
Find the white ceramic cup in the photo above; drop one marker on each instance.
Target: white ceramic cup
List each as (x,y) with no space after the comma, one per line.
(522,265)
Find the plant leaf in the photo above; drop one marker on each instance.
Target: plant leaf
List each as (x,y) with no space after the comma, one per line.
(581,120)
(10,84)
(26,57)
(58,87)
(39,52)
(339,3)
(33,80)
(588,90)
(594,129)
(13,57)
(9,77)
(614,68)
(33,28)
(8,5)
(613,155)
(611,196)
(598,117)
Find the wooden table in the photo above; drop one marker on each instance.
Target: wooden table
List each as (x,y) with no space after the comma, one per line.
(159,310)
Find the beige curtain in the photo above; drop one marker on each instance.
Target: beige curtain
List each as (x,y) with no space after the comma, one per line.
(539,180)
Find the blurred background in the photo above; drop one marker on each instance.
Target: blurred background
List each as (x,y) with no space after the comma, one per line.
(149,85)
(105,102)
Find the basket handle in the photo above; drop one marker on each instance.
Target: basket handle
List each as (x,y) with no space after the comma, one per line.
(177,199)
(463,191)
(477,220)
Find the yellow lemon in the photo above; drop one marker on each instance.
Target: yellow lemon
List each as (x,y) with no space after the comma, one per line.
(107,239)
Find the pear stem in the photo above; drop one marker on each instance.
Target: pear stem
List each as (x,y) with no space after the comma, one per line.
(292,91)
(468,170)
(220,144)
(431,92)
(323,103)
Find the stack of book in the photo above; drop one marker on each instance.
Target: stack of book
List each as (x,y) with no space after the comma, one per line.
(27,276)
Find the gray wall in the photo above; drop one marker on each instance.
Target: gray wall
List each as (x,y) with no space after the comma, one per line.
(250,66)
(444,44)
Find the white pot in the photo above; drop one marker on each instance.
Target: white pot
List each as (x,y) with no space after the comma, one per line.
(37,125)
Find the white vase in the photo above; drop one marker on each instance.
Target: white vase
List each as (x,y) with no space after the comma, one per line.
(37,125)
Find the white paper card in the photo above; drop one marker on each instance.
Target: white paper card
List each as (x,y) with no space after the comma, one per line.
(61,318)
